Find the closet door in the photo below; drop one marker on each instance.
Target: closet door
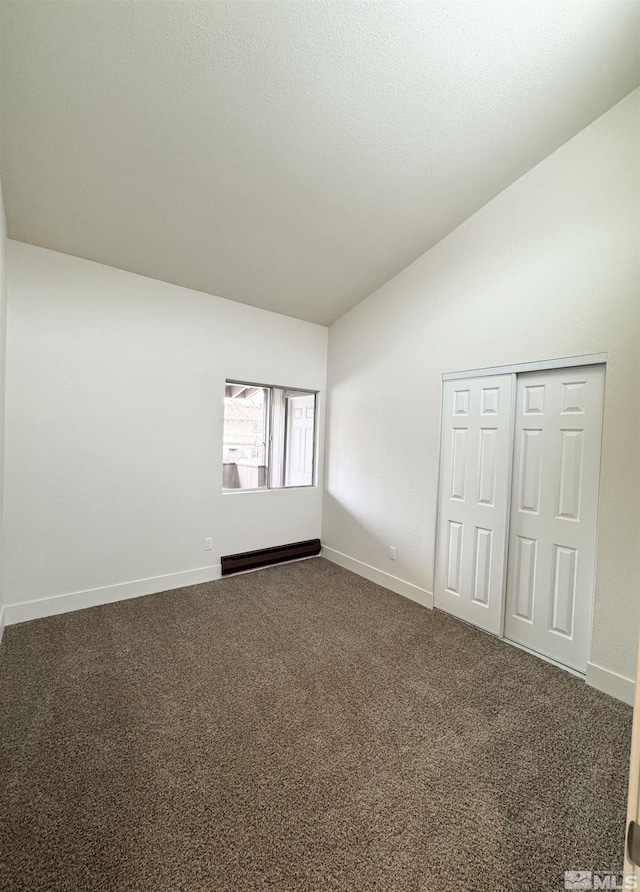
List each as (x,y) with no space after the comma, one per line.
(475,462)
(552,538)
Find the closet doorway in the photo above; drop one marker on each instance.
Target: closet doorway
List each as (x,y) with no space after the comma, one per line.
(518,496)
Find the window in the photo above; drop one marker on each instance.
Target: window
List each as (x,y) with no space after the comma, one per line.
(269,437)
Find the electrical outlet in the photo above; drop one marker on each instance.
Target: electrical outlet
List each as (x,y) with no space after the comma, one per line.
(208,544)
(393,552)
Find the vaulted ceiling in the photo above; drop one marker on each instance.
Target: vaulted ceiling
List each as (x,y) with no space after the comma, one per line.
(289,155)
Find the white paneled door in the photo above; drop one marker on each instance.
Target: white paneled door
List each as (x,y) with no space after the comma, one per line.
(477,417)
(554,500)
(300,431)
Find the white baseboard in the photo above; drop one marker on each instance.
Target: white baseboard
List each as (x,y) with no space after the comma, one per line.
(611,683)
(399,586)
(28,610)
(2,622)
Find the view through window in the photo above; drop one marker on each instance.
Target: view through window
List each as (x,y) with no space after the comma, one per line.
(269,437)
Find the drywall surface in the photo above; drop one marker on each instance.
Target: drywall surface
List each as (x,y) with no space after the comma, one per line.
(3,353)
(548,269)
(115,387)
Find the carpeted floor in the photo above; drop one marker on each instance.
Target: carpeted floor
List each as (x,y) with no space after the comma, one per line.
(298,728)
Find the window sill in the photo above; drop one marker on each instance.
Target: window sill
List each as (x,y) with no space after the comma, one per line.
(235,491)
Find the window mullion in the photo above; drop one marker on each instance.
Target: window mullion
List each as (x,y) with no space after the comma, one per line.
(270,442)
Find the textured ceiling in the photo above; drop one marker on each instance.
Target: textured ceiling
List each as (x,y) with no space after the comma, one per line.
(289,155)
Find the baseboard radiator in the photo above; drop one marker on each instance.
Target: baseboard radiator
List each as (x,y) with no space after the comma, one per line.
(263,557)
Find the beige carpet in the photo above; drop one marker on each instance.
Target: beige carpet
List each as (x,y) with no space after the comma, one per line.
(298,728)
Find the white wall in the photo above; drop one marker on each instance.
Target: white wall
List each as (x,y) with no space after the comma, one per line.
(3,345)
(115,387)
(549,268)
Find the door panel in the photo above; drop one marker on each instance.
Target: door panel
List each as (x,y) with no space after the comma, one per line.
(552,535)
(482,565)
(525,575)
(474,495)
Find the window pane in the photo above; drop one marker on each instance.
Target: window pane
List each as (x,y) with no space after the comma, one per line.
(298,469)
(244,458)
(299,437)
